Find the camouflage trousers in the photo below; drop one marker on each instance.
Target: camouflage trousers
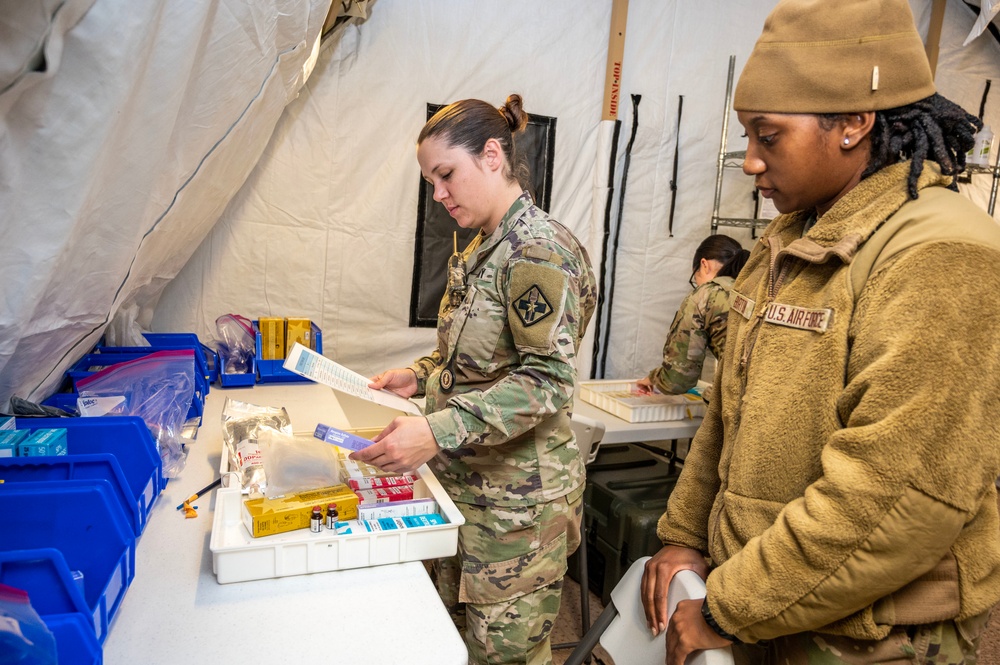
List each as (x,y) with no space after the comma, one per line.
(944,643)
(504,586)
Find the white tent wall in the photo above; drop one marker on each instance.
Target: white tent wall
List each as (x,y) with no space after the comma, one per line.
(121,154)
(325,226)
(114,168)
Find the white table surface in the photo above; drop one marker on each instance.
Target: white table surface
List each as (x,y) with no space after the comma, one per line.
(175,611)
(622,431)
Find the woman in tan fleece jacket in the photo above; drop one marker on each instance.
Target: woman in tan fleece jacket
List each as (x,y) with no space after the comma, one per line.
(839,498)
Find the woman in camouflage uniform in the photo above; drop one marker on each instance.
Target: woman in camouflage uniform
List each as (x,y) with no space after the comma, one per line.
(499,389)
(700,323)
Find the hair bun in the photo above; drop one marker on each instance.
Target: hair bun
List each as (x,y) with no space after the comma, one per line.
(513,113)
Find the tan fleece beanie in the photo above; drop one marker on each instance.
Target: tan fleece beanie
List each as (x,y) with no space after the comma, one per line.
(835,56)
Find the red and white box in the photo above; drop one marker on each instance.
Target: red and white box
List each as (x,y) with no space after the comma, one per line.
(376,482)
(384,495)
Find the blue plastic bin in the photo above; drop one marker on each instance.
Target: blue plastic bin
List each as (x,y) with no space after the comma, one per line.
(205,358)
(64,401)
(237,380)
(273,371)
(82,520)
(45,576)
(127,438)
(77,467)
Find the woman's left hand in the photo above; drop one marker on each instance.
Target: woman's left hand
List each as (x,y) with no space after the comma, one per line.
(644,386)
(405,444)
(688,632)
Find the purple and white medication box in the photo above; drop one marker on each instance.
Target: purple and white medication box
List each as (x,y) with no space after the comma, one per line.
(340,438)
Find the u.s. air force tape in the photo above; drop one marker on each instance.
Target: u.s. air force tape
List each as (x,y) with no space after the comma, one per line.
(783,314)
(803,318)
(538,292)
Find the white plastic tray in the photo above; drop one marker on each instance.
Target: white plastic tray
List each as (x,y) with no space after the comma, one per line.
(619,398)
(239,557)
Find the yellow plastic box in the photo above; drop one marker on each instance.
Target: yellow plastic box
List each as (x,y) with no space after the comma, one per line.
(270,516)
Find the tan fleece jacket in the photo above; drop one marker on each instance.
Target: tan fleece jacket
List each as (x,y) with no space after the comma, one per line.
(843,480)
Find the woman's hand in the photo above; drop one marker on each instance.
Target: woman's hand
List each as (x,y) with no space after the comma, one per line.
(402,381)
(644,386)
(406,443)
(656,580)
(688,632)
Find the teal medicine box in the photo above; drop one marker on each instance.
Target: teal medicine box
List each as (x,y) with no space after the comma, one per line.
(10,439)
(43,442)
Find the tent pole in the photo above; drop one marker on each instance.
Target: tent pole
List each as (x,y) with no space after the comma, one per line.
(934,34)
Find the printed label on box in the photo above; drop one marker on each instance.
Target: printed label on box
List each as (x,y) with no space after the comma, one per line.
(381,481)
(384,495)
(340,438)
(99,406)
(423,520)
(398,509)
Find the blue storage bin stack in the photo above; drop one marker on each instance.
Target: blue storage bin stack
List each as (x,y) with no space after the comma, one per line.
(44,574)
(84,522)
(206,360)
(273,371)
(118,449)
(79,513)
(101,468)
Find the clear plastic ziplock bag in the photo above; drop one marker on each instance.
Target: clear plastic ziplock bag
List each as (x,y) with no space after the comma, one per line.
(247,429)
(24,637)
(157,388)
(236,343)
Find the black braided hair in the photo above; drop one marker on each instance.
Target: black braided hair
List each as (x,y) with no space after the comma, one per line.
(933,128)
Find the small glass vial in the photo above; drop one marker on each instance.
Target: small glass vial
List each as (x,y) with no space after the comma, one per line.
(316,520)
(332,516)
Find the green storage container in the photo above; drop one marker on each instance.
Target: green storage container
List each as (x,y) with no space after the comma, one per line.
(627,491)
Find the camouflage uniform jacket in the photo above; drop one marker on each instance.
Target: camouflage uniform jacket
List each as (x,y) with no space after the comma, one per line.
(505,430)
(842,480)
(699,325)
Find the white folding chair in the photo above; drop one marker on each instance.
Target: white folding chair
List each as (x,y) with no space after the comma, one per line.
(589,433)
(621,628)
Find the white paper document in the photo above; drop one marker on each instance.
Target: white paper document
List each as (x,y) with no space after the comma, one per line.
(306,362)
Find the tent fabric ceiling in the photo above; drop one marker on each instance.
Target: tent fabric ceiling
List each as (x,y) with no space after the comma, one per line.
(115,166)
(987,19)
(179,166)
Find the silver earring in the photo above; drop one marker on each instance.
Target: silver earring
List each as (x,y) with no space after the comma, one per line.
(847,141)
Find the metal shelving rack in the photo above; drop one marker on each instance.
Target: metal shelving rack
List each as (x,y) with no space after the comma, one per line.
(994,172)
(734,160)
(730,160)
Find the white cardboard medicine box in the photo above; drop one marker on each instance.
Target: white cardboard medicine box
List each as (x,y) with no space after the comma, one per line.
(620,399)
(239,557)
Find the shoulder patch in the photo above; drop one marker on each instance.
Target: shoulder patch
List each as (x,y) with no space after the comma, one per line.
(538,294)
(532,306)
(540,253)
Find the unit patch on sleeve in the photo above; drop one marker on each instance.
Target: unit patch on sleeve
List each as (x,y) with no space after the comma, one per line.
(532,306)
(537,294)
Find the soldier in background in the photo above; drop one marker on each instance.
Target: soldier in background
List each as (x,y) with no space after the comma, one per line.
(499,389)
(700,322)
